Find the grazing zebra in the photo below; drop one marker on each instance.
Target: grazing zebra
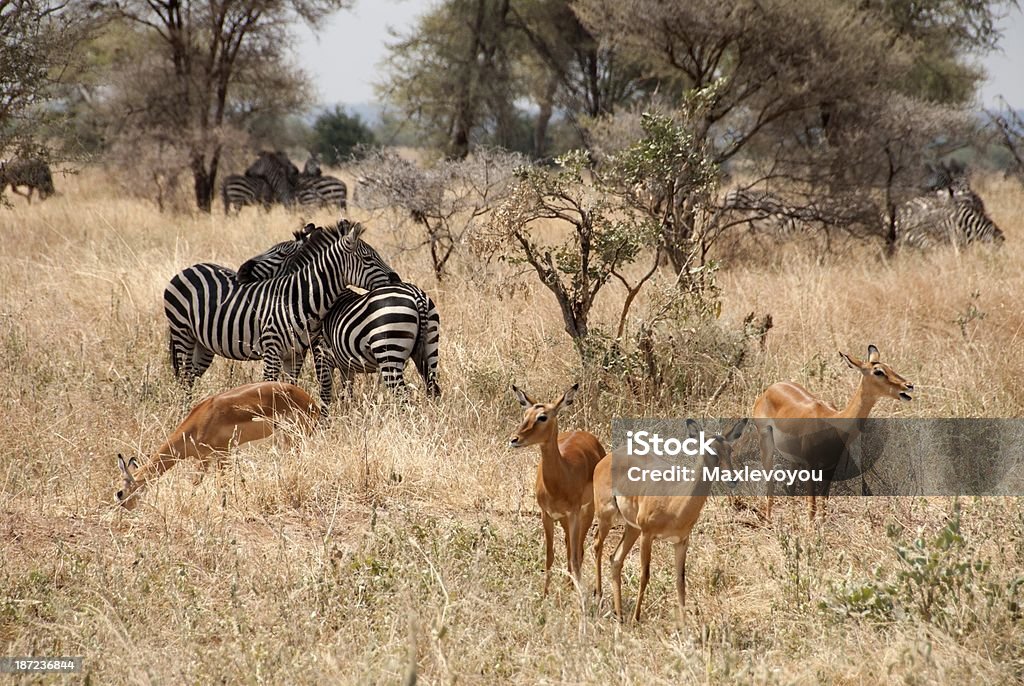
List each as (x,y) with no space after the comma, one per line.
(30,172)
(238,191)
(278,171)
(379,331)
(210,313)
(763,211)
(321,191)
(953,215)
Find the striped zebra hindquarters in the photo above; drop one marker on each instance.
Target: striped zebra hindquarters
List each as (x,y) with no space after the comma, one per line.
(321,191)
(379,331)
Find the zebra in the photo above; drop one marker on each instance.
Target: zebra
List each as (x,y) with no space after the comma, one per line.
(322,191)
(210,313)
(30,172)
(954,214)
(763,210)
(237,191)
(379,331)
(278,171)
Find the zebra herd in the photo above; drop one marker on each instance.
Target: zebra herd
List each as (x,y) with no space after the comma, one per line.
(951,213)
(273,178)
(294,298)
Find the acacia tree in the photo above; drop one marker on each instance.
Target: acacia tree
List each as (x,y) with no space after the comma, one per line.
(795,88)
(217,62)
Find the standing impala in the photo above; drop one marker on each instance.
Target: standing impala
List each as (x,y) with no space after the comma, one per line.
(565,475)
(648,517)
(814,442)
(218,423)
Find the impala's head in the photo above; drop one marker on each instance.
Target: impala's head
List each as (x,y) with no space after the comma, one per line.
(879,378)
(540,419)
(721,444)
(126,496)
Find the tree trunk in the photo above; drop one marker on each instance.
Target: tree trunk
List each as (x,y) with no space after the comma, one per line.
(540,129)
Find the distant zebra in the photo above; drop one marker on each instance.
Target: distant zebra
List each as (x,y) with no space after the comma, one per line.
(953,215)
(763,211)
(30,172)
(321,191)
(379,331)
(278,171)
(210,313)
(238,191)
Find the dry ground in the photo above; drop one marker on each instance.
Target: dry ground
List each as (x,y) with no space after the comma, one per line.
(405,537)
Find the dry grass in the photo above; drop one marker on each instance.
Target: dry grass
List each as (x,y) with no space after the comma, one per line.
(406,535)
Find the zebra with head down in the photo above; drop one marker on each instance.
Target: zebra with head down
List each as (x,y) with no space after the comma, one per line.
(278,172)
(951,214)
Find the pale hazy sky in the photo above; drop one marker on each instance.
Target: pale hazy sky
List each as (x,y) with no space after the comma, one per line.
(344,58)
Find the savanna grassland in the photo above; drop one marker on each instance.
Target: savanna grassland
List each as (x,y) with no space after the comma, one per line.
(404,538)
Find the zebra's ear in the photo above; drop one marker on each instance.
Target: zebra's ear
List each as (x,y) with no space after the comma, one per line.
(355,230)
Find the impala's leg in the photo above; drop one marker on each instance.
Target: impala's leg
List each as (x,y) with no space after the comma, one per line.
(767,441)
(629,536)
(681,549)
(646,542)
(568,525)
(549,548)
(586,519)
(604,524)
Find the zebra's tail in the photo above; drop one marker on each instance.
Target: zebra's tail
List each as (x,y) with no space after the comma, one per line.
(175,361)
(420,353)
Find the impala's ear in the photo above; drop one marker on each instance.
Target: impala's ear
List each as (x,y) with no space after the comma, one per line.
(568,397)
(521,396)
(853,362)
(872,354)
(736,431)
(123,466)
(692,428)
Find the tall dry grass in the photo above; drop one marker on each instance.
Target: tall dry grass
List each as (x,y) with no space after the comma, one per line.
(404,537)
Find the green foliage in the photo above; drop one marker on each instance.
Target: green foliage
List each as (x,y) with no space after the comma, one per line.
(937,580)
(336,133)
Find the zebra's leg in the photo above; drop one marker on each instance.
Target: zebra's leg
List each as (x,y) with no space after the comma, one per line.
(291,366)
(324,375)
(271,363)
(392,374)
(202,358)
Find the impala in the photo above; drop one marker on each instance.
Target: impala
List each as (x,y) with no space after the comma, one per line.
(782,412)
(565,474)
(218,423)
(648,517)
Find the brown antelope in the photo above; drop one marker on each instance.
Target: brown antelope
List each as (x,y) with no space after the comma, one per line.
(565,475)
(648,517)
(218,423)
(806,441)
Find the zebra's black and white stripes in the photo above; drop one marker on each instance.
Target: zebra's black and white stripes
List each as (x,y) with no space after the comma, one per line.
(953,215)
(210,313)
(377,331)
(380,331)
(238,191)
(321,191)
(268,263)
(278,172)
